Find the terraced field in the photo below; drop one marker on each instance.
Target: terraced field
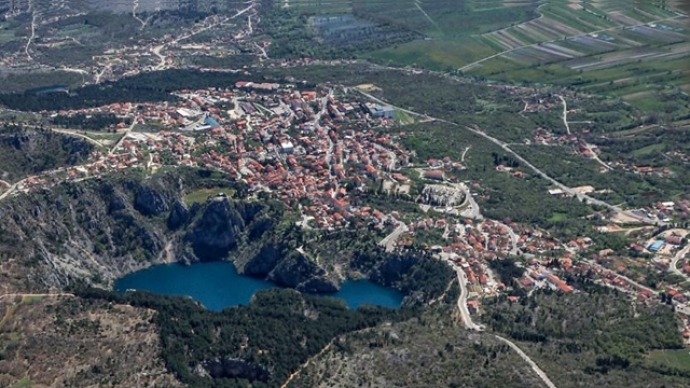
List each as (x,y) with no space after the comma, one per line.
(445,29)
(634,49)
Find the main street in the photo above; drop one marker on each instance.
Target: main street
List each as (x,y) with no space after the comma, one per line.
(462,299)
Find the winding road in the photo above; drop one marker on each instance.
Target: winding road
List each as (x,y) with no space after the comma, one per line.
(529,361)
(587,145)
(470,325)
(673,267)
(389,241)
(158,49)
(504,146)
(462,301)
(77,134)
(32,36)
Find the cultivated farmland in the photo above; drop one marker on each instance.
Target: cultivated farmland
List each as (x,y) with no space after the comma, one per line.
(634,49)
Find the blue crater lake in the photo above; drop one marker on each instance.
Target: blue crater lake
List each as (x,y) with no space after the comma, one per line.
(217,285)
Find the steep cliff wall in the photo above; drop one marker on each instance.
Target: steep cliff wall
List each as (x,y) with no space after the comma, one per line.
(25,151)
(96,231)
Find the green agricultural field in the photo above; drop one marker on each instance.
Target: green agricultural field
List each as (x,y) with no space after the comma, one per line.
(7,35)
(606,44)
(675,358)
(558,217)
(447,35)
(437,54)
(319,6)
(200,196)
(23,383)
(404,118)
(649,149)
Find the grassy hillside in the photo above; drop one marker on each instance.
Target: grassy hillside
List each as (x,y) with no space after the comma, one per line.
(90,343)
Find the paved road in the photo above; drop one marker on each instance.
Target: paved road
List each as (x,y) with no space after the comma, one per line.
(390,240)
(77,134)
(462,158)
(100,74)
(34,15)
(680,308)
(529,361)
(673,267)
(472,209)
(566,189)
(627,279)
(66,131)
(124,135)
(470,325)
(462,299)
(10,190)
(162,58)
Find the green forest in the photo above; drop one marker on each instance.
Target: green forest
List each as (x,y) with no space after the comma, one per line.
(277,332)
(595,337)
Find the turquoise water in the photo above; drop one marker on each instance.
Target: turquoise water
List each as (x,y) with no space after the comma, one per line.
(217,285)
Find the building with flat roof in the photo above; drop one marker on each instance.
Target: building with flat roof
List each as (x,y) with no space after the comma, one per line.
(211,122)
(379,111)
(434,174)
(287,147)
(656,245)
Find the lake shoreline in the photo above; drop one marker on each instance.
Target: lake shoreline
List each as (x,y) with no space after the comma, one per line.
(218,285)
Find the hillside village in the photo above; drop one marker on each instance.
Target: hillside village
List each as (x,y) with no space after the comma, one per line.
(320,150)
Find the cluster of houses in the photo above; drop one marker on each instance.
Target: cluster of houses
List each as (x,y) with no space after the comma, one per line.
(311,149)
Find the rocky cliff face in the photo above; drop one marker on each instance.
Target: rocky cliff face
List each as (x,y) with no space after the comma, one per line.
(297,271)
(149,201)
(218,231)
(97,231)
(89,231)
(179,215)
(25,152)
